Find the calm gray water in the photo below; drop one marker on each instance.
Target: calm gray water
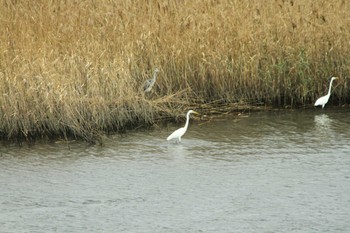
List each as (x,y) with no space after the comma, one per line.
(264,172)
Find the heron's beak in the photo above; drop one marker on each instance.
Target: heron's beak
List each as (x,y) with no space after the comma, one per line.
(196,112)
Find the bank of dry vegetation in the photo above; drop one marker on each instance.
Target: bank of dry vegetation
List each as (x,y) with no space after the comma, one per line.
(76,67)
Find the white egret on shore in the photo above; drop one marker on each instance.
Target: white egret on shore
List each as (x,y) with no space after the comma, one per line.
(324,99)
(180,132)
(147,86)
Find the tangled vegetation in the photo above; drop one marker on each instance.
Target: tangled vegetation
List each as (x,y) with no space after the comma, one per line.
(77,67)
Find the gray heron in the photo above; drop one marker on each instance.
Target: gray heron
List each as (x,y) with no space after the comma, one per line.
(147,86)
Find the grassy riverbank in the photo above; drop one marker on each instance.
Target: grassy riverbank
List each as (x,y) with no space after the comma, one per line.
(77,67)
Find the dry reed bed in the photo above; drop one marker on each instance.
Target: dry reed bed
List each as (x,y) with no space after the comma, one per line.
(76,67)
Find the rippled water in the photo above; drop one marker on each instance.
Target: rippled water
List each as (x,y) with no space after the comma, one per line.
(264,172)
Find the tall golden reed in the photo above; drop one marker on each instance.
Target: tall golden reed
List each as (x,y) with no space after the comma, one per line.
(77,67)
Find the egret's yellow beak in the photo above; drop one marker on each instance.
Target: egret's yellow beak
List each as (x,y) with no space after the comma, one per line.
(194,112)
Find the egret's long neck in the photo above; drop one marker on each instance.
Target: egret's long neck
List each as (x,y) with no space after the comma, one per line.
(330,87)
(187,120)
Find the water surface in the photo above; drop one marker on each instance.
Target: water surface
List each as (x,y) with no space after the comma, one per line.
(263,172)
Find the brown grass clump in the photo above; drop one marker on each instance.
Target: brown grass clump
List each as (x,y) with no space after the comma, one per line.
(77,67)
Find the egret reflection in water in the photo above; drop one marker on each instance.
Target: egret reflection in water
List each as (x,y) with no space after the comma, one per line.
(322,120)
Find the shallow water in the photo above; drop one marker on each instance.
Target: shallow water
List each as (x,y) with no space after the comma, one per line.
(264,172)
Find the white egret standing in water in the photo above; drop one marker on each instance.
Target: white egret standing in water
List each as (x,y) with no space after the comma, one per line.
(324,99)
(180,132)
(147,86)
